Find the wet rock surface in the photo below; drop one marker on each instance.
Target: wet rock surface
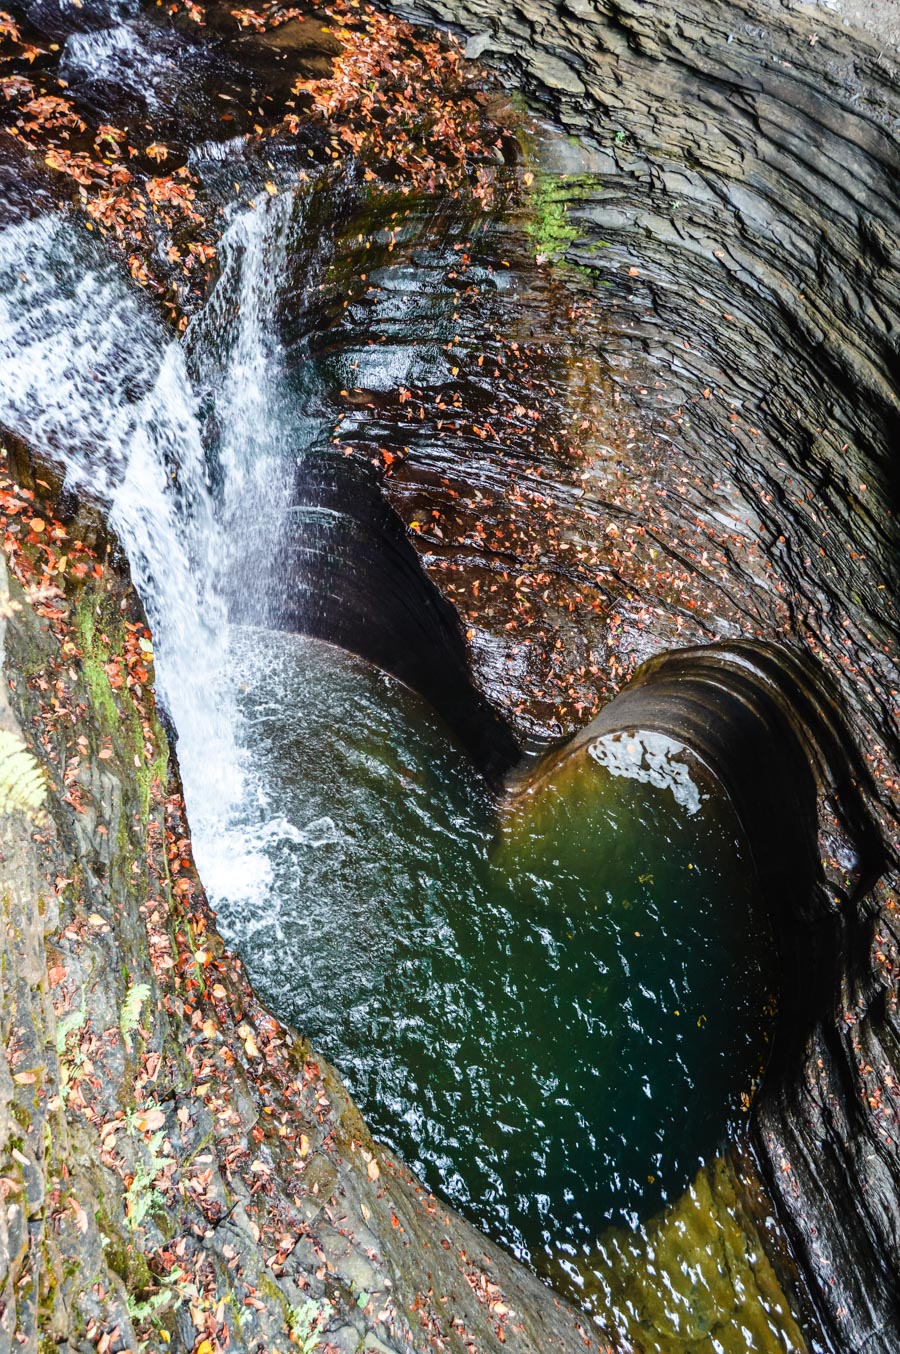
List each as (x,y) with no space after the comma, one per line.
(687,437)
(177,1166)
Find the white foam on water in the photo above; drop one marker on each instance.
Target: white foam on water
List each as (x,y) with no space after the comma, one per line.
(90,376)
(652,759)
(120,57)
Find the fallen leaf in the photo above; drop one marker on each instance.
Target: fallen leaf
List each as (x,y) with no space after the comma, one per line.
(149,1120)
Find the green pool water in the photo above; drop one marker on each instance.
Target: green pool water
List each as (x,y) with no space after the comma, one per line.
(551,1010)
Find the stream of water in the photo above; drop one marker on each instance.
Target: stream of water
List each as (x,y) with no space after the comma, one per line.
(552,1012)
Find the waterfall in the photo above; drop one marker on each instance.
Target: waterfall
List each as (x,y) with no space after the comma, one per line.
(187,445)
(238,365)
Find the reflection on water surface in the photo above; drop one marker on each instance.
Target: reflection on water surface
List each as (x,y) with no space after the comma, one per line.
(553,1013)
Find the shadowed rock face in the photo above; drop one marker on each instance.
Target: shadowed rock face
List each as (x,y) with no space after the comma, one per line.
(748,187)
(358,582)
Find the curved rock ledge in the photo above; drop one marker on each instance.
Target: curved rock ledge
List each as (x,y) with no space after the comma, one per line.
(761,719)
(357,581)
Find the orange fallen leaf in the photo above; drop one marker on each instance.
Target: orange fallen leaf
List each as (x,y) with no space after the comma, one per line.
(149,1120)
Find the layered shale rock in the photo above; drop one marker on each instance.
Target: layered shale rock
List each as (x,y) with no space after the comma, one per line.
(744,192)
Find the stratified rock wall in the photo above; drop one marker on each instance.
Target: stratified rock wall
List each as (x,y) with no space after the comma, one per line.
(746,220)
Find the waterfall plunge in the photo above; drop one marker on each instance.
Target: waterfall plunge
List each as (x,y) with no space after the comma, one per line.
(90,378)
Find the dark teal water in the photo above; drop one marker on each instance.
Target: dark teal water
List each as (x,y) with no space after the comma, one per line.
(552,1014)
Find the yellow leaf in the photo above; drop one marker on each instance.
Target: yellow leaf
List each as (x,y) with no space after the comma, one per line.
(204,1347)
(250,1044)
(271,188)
(373,1170)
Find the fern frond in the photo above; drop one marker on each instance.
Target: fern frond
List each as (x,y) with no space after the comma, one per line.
(23,784)
(129,1020)
(68,1025)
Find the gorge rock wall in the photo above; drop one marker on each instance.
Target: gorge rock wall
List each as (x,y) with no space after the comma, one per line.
(741,213)
(745,200)
(176,1168)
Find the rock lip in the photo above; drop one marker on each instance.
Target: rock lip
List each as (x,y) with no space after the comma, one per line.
(767,723)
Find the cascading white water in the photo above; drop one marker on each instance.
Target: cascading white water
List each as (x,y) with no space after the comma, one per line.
(90,377)
(237,362)
(256,427)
